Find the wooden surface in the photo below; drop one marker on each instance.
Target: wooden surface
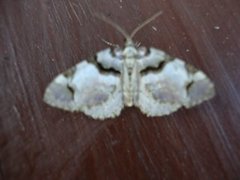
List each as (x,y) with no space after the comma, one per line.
(41,38)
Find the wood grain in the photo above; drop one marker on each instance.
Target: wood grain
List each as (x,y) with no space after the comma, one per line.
(41,38)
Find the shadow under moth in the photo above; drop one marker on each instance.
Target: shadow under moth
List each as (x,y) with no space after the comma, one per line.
(147,78)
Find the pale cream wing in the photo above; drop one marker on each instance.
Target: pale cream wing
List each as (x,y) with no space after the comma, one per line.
(165,90)
(84,88)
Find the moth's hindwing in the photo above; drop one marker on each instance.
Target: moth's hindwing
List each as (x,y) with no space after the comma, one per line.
(84,88)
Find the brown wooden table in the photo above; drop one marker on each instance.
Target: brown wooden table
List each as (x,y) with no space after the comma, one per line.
(41,38)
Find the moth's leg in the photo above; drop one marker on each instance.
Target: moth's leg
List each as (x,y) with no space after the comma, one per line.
(108,60)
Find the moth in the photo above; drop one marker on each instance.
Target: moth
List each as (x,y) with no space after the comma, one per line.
(147,78)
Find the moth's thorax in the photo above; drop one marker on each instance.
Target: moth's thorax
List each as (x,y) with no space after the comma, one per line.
(130,54)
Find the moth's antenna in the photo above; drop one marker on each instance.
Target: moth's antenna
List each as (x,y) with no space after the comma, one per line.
(145,23)
(113,24)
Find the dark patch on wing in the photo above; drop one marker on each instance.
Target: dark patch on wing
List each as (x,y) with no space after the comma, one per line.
(101,69)
(160,66)
(188,86)
(71,90)
(154,69)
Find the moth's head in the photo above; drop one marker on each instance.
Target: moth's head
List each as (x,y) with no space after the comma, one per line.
(130,51)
